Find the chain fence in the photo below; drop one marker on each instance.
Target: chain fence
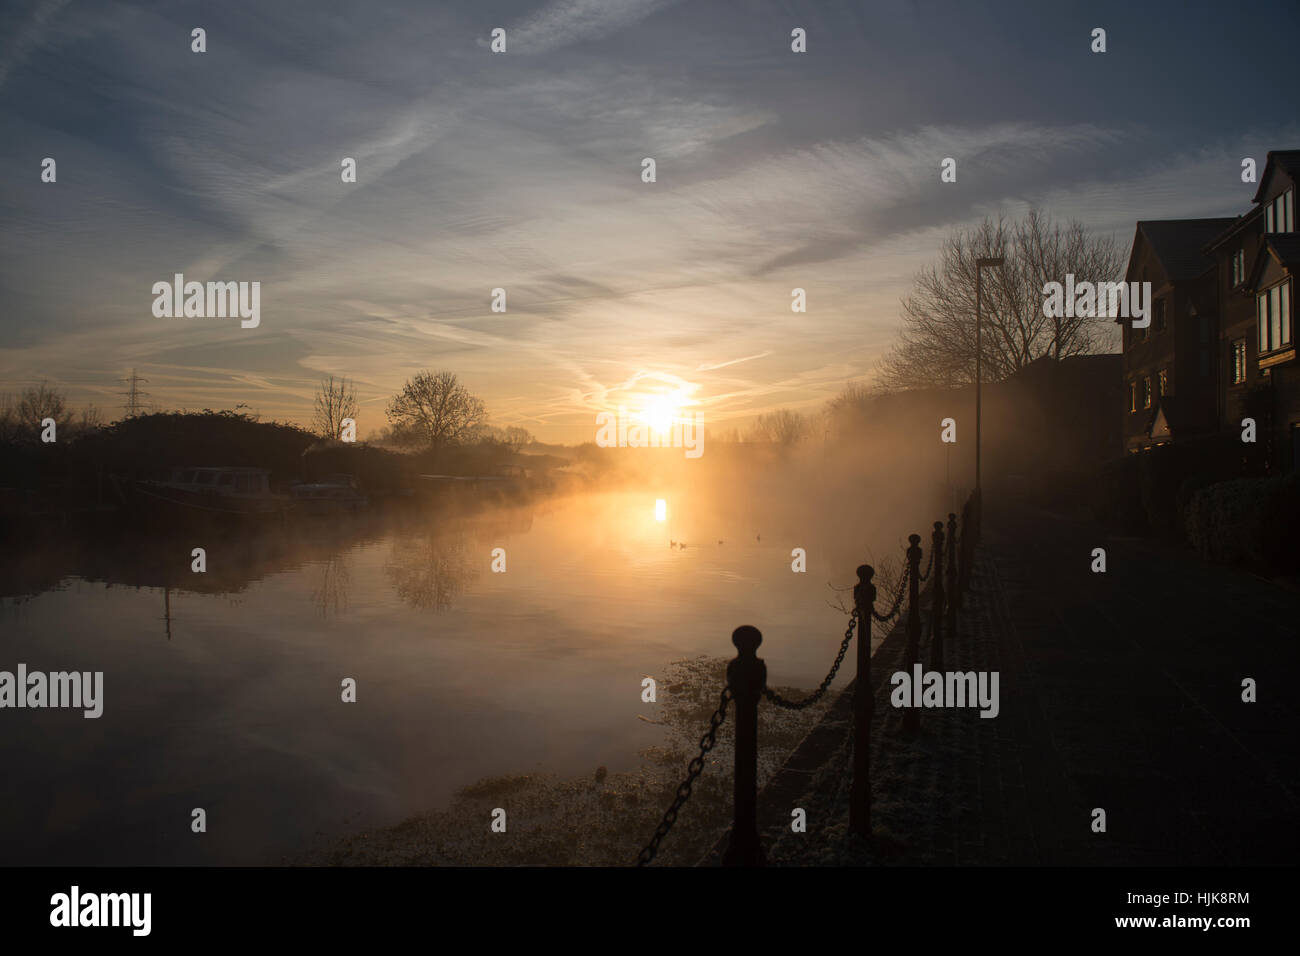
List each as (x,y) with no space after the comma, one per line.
(709,739)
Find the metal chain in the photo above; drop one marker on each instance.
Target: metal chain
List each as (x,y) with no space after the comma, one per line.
(693,770)
(898,600)
(816,695)
(928,568)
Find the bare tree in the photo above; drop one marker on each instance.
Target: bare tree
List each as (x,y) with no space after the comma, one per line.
(91,420)
(39,402)
(782,427)
(335,401)
(9,425)
(936,346)
(439,408)
(517,438)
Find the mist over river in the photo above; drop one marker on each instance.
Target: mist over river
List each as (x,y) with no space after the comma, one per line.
(222,690)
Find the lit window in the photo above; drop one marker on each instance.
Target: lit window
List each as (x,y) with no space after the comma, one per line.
(1273,311)
(1146,392)
(1162,382)
(1238,361)
(1238,267)
(1132,396)
(1279,215)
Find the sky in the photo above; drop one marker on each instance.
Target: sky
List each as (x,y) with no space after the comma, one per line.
(523,170)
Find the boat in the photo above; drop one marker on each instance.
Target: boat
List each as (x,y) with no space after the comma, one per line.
(192,491)
(507,476)
(333,494)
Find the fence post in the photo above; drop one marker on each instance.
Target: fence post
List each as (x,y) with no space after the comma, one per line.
(747,675)
(936,608)
(912,715)
(864,599)
(950,625)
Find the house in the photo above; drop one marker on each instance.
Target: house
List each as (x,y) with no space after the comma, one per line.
(1169,366)
(1221,345)
(1256,260)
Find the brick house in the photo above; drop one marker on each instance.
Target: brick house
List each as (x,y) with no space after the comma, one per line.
(1169,367)
(1221,344)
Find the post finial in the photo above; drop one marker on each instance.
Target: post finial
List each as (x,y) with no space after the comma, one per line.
(746,639)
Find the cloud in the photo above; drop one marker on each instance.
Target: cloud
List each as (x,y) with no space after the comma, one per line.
(29,37)
(565,22)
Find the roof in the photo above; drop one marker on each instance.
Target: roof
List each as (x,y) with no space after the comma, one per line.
(1287,159)
(1285,247)
(1180,244)
(1282,247)
(1237,225)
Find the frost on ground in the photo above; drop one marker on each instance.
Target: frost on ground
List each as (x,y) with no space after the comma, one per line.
(605,818)
(913,783)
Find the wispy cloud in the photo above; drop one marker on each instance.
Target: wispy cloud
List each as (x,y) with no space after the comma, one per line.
(564,22)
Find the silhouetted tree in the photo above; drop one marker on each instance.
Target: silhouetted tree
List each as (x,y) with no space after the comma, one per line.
(335,401)
(38,402)
(437,407)
(782,427)
(936,346)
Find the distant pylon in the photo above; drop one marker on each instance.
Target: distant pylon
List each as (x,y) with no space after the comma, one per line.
(134,395)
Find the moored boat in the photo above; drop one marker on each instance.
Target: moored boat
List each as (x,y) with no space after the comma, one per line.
(333,494)
(193,491)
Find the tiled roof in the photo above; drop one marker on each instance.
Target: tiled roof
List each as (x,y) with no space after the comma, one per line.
(1288,159)
(1237,225)
(1286,246)
(1180,244)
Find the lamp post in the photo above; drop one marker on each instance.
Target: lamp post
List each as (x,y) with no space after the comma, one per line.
(980,265)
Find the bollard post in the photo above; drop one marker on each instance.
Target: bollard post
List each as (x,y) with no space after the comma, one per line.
(936,608)
(747,675)
(912,716)
(963,569)
(864,599)
(950,624)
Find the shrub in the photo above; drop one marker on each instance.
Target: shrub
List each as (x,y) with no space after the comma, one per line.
(1249,521)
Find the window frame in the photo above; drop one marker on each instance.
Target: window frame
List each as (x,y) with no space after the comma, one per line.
(1275,318)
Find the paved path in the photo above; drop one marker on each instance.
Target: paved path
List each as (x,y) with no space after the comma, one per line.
(1119,690)
(1128,684)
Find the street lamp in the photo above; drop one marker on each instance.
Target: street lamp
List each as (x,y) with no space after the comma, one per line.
(980,265)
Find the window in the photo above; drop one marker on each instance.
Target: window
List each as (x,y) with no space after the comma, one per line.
(1132,396)
(1238,361)
(1158,322)
(1146,392)
(1238,267)
(1279,215)
(1273,311)
(1162,383)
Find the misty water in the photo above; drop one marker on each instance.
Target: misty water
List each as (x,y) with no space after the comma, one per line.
(222,690)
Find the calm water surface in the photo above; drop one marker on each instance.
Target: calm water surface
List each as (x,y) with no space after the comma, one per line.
(222,690)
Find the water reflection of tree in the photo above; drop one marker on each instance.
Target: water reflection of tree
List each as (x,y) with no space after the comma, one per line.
(331,598)
(429,571)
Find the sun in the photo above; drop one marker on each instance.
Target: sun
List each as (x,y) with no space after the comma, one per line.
(660,414)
